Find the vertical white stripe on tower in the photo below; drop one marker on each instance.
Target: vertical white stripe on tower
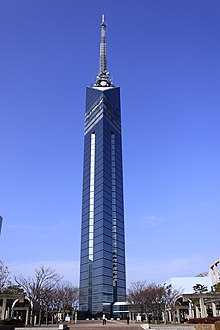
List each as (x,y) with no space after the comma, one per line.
(91,196)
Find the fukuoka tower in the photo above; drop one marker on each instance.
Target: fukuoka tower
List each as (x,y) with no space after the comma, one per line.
(102,259)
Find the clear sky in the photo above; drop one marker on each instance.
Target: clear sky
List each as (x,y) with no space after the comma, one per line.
(164,54)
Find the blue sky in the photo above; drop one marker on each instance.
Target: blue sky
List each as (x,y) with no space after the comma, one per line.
(164,54)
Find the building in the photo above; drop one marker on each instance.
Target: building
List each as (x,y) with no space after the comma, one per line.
(215,273)
(121,310)
(102,260)
(190,304)
(0,224)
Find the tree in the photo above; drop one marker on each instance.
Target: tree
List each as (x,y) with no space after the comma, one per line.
(135,296)
(146,298)
(155,300)
(200,288)
(63,298)
(13,289)
(152,299)
(39,288)
(4,276)
(68,296)
(217,288)
(170,297)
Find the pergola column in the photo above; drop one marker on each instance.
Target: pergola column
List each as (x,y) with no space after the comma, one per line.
(197,312)
(191,312)
(7,314)
(202,307)
(27,316)
(214,309)
(4,304)
(169,316)
(178,315)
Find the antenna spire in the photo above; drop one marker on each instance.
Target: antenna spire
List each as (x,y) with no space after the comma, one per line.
(103,78)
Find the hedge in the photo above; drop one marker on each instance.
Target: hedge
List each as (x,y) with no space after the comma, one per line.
(207,320)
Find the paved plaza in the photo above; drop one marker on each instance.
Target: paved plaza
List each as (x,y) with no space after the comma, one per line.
(94,324)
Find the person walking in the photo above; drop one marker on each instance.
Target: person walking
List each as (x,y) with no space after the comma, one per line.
(103,320)
(128,319)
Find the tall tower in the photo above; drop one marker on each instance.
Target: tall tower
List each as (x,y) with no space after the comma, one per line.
(102,260)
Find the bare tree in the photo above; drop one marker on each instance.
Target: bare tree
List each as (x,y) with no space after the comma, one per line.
(68,296)
(135,296)
(4,277)
(154,300)
(170,298)
(50,304)
(38,288)
(147,299)
(63,298)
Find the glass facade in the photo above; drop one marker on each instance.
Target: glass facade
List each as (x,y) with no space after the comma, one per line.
(0,224)
(102,260)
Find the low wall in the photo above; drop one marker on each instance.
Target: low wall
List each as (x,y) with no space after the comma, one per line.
(8,327)
(42,327)
(31,328)
(203,326)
